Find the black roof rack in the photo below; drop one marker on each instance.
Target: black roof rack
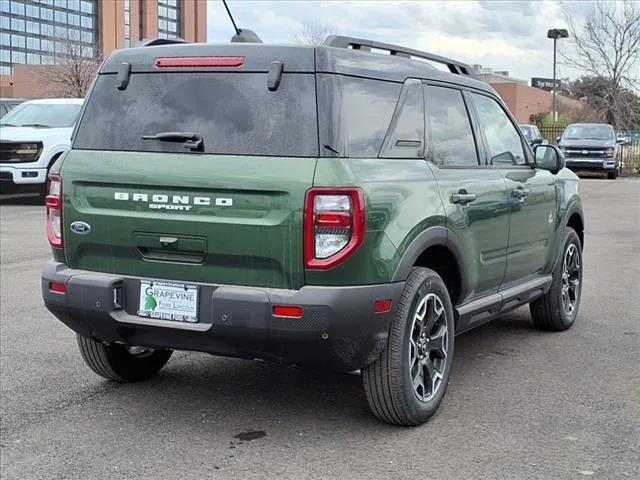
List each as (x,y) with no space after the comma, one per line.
(339,41)
(151,42)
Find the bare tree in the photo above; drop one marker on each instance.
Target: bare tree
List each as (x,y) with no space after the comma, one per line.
(312,34)
(607,46)
(76,65)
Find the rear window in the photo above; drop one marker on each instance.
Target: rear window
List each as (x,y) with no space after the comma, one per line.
(235,114)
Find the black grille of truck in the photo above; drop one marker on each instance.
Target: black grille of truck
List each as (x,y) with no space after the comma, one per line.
(20,152)
(588,152)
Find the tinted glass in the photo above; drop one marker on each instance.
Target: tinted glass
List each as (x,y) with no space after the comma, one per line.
(406,134)
(504,146)
(44,115)
(588,132)
(235,113)
(451,139)
(354,114)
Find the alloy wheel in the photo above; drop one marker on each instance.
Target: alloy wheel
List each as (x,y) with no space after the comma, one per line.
(429,344)
(570,279)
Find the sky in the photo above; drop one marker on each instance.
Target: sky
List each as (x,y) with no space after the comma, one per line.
(503,35)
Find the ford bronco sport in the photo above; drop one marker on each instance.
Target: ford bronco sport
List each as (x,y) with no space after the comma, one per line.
(323,206)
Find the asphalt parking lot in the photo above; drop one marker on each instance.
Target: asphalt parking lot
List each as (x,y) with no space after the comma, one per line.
(521,403)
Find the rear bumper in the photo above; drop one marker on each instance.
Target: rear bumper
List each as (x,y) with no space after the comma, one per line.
(338,329)
(600,164)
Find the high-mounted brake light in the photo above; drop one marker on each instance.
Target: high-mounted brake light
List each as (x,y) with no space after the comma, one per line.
(53,201)
(334,225)
(198,62)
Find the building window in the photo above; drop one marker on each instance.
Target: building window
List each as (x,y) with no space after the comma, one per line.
(168,19)
(127,23)
(38,31)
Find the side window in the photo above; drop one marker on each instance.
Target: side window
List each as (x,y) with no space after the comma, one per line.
(504,146)
(354,114)
(405,138)
(451,139)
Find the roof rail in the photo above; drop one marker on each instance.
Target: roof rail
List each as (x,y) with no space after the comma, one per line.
(151,42)
(339,41)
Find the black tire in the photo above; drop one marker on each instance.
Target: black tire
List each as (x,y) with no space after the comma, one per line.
(388,381)
(114,362)
(549,311)
(612,175)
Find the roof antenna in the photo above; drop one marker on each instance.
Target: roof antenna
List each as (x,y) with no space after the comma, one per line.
(243,35)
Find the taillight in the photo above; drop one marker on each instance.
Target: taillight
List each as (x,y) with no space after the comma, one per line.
(53,201)
(334,225)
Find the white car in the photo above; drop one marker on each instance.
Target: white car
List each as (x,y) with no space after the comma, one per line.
(32,136)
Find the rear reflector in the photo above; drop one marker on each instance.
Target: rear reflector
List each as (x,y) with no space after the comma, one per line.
(195,62)
(287,311)
(58,287)
(382,306)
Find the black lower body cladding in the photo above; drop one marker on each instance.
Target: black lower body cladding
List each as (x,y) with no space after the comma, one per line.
(338,329)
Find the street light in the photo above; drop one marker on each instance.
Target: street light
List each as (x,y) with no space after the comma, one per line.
(556,33)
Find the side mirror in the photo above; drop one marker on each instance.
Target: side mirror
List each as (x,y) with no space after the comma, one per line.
(621,141)
(557,139)
(549,157)
(536,141)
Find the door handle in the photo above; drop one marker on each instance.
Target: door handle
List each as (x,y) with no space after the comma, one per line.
(520,192)
(462,197)
(169,242)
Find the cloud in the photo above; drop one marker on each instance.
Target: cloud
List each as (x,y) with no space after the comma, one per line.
(499,34)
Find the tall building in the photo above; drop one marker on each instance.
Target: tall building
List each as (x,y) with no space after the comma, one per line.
(35,34)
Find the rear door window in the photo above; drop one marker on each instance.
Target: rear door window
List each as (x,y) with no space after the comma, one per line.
(451,141)
(235,113)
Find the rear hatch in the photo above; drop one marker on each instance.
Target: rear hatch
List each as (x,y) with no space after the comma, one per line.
(215,193)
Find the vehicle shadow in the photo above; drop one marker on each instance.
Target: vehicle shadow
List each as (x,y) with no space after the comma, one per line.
(255,395)
(20,199)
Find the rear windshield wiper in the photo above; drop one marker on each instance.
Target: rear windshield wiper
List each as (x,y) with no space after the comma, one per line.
(191,140)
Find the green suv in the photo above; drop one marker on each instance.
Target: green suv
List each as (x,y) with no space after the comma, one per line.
(347,206)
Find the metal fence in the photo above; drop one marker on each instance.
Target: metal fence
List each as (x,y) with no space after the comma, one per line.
(629,151)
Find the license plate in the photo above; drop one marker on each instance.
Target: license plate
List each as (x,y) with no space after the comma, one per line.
(169,301)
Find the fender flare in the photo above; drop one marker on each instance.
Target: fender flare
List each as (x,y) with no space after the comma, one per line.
(432,237)
(574,207)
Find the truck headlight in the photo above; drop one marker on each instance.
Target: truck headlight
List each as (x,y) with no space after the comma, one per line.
(28,149)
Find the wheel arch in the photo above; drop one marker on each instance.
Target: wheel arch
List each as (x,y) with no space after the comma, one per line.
(574,219)
(439,249)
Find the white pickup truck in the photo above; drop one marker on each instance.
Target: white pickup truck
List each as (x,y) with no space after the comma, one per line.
(32,136)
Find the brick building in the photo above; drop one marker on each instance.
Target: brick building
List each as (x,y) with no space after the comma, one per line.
(33,33)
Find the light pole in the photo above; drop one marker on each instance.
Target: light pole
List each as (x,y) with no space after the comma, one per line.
(556,33)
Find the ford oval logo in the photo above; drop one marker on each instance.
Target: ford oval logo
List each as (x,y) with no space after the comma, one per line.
(81,228)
